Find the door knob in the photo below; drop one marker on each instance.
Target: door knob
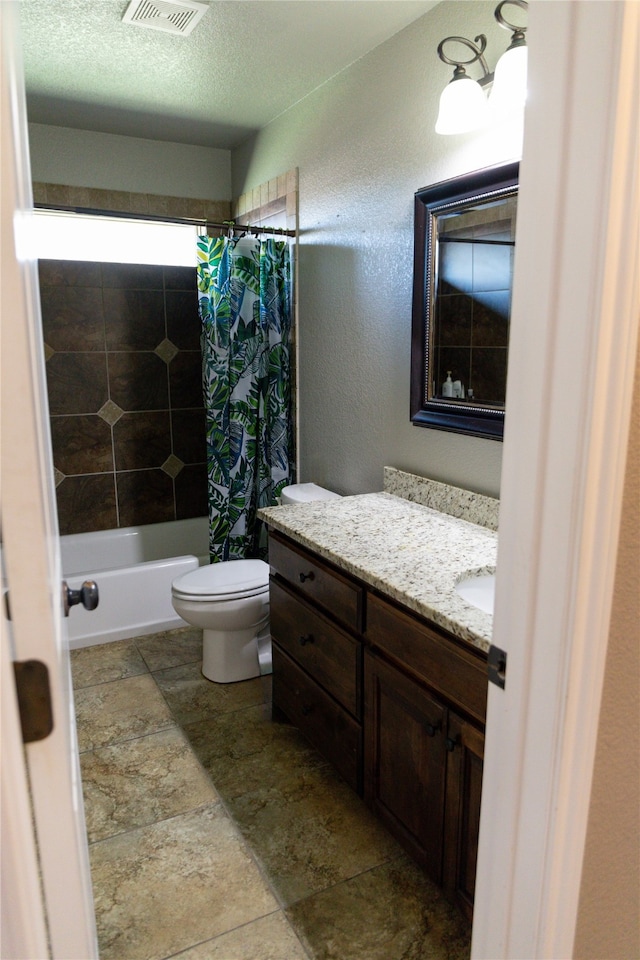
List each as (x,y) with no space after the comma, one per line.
(87,595)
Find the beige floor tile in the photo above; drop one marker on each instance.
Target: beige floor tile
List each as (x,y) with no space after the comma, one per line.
(165,887)
(140,781)
(239,752)
(192,697)
(270,938)
(391,913)
(171,648)
(122,710)
(308,829)
(310,833)
(106,661)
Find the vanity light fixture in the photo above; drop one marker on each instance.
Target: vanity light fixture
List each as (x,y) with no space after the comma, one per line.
(463,103)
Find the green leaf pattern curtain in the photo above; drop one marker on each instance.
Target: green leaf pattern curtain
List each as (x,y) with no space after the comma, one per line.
(244,296)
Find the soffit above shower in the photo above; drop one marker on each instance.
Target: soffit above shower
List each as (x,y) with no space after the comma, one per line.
(177,17)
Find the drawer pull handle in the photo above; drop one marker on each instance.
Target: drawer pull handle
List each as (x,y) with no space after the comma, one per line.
(307,576)
(306,709)
(306,638)
(451,744)
(432,729)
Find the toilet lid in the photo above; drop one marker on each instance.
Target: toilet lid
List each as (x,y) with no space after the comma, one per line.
(231,578)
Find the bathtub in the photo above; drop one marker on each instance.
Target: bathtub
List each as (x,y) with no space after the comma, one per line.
(134,568)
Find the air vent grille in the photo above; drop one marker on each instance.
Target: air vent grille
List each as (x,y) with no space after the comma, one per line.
(178,17)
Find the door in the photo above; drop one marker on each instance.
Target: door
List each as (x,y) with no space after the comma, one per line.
(404,760)
(572,349)
(465,755)
(53,918)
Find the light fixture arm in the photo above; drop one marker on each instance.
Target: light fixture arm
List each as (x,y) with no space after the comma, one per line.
(518,38)
(478,49)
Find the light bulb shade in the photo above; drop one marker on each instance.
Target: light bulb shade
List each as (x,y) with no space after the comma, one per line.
(509,90)
(463,107)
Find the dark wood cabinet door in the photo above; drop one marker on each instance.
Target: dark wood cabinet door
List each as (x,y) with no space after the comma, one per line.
(405,760)
(462,815)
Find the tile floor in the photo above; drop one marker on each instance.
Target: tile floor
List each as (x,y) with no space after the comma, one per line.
(218,834)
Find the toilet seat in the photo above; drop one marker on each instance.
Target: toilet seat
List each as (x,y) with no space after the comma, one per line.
(228,580)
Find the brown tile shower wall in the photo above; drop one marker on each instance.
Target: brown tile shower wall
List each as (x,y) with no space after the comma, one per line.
(127,419)
(124,381)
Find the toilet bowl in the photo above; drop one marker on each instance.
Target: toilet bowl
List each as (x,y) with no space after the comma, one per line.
(230,602)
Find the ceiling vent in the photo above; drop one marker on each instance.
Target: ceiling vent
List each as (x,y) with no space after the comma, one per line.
(178,17)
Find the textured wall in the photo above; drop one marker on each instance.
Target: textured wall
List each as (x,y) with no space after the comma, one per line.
(364,143)
(609,910)
(84,158)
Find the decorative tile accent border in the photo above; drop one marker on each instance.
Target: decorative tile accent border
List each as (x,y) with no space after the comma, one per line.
(274,203)
(453,501)
(120,201)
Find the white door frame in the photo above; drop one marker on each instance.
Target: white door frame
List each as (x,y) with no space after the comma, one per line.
(571,366)
(31,562)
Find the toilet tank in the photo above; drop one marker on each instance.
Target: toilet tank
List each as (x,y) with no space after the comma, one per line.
(305,493)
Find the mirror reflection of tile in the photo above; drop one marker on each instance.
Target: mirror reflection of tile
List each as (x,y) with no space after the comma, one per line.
(473,297)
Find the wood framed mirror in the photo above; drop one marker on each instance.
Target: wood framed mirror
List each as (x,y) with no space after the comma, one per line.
(464,243)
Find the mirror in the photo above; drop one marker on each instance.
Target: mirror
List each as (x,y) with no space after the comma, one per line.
(464,243)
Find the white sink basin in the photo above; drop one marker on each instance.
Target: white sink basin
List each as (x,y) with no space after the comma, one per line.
(479,590)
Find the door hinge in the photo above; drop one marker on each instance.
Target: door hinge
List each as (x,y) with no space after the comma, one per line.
(497,666)
(34,699)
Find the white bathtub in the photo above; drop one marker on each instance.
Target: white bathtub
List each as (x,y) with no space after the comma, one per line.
(134,568)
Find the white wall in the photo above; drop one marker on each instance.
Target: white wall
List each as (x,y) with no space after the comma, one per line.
(364,143)
(83,158)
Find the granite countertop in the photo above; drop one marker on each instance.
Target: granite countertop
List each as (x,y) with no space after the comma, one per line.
(410,552)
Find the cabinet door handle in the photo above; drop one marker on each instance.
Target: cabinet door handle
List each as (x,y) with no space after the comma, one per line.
(452,743)
(306,709)
(307,576)
(306,638)
(431,729)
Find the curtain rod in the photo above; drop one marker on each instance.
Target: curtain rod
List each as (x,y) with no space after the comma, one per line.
(229,225)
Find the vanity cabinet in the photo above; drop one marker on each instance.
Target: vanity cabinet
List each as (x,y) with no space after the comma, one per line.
(396,704)
(316,617)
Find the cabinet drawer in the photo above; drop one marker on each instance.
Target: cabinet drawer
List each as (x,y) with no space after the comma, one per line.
(458,674)
(342,597)
(329,655)
(325,724)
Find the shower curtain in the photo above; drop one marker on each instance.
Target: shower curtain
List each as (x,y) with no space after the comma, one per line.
(244,296)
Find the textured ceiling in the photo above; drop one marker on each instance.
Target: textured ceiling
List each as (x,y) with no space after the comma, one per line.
(245,63)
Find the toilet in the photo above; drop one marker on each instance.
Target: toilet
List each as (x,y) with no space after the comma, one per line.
(230,602)
(305,493)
